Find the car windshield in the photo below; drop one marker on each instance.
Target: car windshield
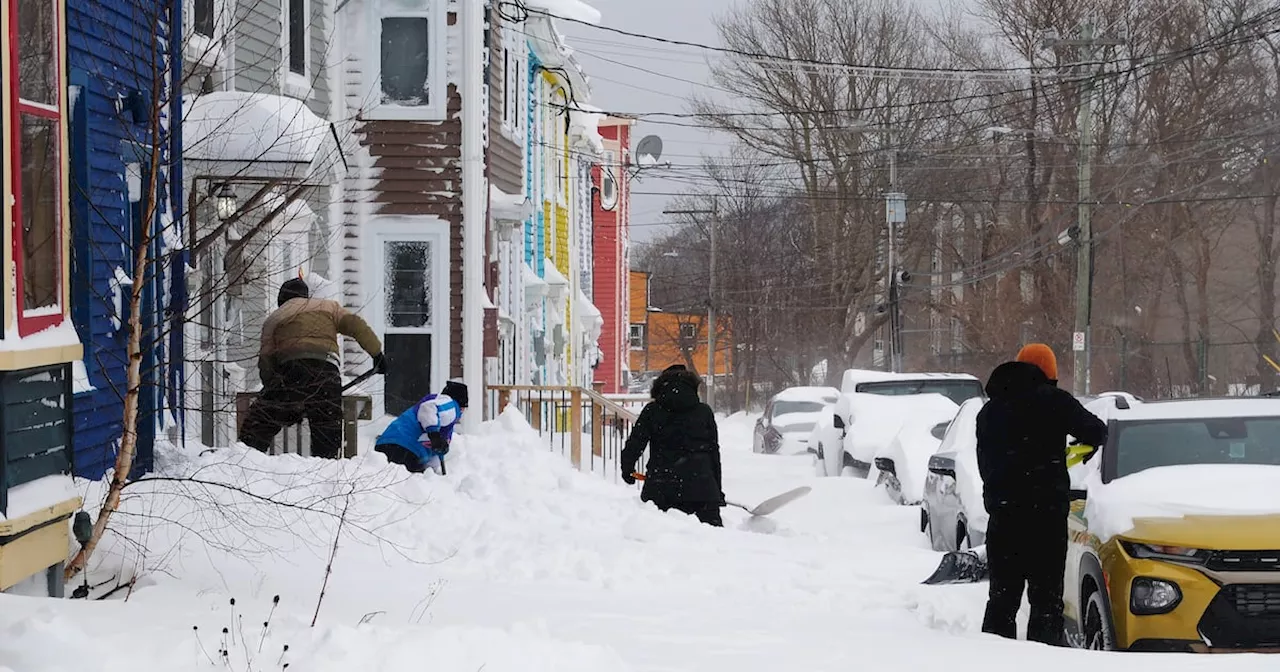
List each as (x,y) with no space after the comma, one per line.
(797,428)
(786,407)
(958,391)
(1140,445)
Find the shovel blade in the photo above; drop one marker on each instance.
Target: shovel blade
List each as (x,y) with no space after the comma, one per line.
(776,502)
(959,567)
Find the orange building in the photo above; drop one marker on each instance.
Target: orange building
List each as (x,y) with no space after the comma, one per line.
(659,339)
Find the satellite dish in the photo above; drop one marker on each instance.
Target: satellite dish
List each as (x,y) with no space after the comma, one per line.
(649,150)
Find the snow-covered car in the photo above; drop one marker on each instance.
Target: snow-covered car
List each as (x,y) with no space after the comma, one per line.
(902,465)
(952,514)
(839,447)
(789,419)
(1175,545)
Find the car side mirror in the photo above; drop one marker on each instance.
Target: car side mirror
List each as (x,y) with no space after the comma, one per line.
(838,422)
(939,430)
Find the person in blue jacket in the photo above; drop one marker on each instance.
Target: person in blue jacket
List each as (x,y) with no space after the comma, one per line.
(421,435)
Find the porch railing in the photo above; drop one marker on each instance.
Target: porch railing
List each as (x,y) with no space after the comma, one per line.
(579,423)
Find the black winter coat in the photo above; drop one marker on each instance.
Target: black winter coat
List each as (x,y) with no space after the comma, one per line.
(1022,437)
(683,441)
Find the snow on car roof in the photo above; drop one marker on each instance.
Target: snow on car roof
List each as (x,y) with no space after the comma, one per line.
(853,377)
(1177,409)
(807,394)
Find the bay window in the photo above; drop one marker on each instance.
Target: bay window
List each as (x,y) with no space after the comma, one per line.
(37,178)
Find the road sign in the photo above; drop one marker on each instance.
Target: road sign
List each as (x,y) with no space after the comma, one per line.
(1077,341)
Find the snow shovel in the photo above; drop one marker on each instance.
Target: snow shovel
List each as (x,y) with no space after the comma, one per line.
(960,567)
(766,507)
(357,380)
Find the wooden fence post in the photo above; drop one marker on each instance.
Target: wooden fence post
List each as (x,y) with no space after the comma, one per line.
(535,412)
(575,426)
(504,398)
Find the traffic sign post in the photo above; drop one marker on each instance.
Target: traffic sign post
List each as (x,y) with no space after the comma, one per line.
(1077,341)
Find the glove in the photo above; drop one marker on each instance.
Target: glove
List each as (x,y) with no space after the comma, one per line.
(379,364)
(628,476)
(438,444)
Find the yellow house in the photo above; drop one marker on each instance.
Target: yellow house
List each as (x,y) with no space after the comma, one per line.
(38,342)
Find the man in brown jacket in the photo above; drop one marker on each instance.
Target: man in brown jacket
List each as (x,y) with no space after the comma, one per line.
(298,363)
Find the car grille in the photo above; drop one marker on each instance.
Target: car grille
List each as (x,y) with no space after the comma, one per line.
(1244,561)
(1254,600)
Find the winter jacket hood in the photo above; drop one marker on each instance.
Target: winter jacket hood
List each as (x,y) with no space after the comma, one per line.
(676,389)
(1014,380)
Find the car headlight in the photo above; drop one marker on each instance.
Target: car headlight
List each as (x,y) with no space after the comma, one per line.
(1182,554)
(1149,597)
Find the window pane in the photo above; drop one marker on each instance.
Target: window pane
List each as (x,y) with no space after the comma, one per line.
(40,213)
(202,20)
(405,61)
(37,55)
(297,37)
(407,284)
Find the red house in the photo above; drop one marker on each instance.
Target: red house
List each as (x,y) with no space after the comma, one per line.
(611,220)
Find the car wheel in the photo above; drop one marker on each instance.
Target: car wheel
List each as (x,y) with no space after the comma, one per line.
(1097,627)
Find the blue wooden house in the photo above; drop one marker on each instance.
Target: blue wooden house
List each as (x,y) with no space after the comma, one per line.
(123,63)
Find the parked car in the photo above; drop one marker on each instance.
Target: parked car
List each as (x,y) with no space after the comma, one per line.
(952,513)
(902,464)
(1180,547)
(789,419)
(839,448)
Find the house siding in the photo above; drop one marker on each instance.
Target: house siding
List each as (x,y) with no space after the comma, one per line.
(258,32)
(109,55)
(506,161)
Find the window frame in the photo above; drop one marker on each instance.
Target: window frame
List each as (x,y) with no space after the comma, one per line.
(295,84)
(514,84)
(637,330)
(692,328)
(607,176)
(199,49)
(435,109)
(44,317)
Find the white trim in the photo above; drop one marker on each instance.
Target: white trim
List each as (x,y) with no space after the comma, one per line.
(204,50)
(388,228)
(514,70)
(437,53)
(294,84)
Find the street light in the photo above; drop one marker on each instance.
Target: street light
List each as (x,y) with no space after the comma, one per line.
(224,201)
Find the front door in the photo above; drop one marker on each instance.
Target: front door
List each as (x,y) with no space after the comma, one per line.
(408,290)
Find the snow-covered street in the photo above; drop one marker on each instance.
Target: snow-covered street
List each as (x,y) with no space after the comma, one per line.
(516,562)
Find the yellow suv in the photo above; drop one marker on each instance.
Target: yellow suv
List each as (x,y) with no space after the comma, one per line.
(1175,530)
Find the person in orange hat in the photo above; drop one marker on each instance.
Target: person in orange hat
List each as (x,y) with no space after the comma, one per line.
(1022,438)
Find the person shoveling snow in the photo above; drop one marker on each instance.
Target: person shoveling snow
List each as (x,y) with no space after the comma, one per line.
(419,438)
(680,431)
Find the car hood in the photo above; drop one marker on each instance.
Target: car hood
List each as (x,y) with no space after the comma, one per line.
(1219,533)
(1187,503)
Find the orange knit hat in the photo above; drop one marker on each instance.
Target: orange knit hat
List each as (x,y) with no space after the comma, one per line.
(1042,356)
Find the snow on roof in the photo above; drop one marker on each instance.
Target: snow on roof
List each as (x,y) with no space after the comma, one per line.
(297,217)
(509,207)
(532,283)
(59,336)
(39,494)
(805,393)
(240,126)
(584,121)
(853,377)
(576,10)
(552,274)
(1180,409)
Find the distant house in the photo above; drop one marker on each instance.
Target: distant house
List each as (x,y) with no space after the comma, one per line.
(659,339)
(610,252)
(39,345)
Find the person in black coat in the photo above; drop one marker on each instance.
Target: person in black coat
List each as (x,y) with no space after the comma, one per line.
(1022,437)
(683,471)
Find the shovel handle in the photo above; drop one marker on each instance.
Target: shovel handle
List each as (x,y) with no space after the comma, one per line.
(637,475)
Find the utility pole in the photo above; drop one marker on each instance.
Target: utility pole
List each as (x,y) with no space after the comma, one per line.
(711,291)
(1082,339)
(895,214)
